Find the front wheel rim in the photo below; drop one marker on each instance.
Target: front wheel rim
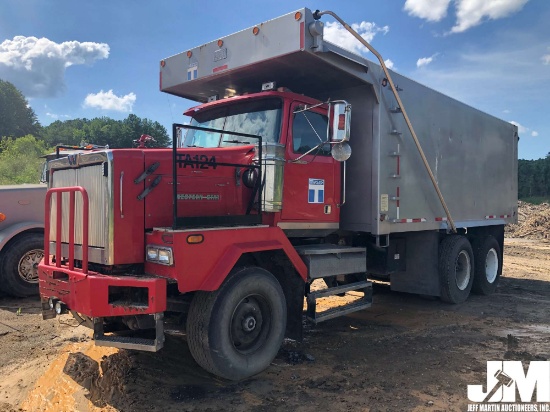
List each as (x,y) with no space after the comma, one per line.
(28,265)
(462,270)
(491,265)
(250,324)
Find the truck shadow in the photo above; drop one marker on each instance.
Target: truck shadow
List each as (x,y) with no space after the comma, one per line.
(129,380)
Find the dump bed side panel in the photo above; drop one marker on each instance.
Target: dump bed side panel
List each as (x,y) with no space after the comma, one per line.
(473,156)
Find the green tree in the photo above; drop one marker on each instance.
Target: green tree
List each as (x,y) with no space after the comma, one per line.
(534,178)
(105,131)
(17,118)
(69,132)
(20,160)
(135,127)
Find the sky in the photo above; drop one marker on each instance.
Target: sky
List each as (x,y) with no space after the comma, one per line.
(85,59)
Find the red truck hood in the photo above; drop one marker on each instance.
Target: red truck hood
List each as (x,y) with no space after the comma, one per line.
(209,183)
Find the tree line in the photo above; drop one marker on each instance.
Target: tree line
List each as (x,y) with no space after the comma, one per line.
(23,140)
(534,178)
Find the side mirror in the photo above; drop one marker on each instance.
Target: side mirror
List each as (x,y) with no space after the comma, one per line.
(340,115)
(341,151)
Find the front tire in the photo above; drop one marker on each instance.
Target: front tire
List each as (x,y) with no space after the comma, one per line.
(236,331)
(456,268)
(19,265)
(488,265)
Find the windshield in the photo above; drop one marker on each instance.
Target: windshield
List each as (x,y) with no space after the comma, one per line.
(259,117)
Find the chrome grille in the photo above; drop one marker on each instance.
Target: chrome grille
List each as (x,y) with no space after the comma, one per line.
(90,178)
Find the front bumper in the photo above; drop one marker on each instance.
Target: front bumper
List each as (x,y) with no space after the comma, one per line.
(97,296)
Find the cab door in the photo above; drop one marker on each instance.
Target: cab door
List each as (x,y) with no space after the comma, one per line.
(311,192)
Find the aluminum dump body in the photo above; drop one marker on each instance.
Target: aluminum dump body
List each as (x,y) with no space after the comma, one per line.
(473,155)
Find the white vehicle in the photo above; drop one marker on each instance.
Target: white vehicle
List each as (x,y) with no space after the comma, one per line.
(21,237)
(22,229)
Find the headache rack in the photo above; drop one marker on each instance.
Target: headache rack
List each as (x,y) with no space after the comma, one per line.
(247,219)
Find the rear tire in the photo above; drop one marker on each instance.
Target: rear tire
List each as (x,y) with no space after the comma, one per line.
(236,331)
(488,265)
(456,268)
(19,265)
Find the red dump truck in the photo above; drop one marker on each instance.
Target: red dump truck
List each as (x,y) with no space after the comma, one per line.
(223,234)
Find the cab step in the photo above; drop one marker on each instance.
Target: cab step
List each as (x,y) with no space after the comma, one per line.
(362,303)
(129,342)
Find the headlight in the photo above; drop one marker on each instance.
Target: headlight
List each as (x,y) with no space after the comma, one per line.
(158,254)
(152,253)
(165,256)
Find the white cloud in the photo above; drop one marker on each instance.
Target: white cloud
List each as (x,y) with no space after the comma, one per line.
(522,130)
(335,33)
(54,115)
(431,10)
(109,101)
(58,116)
(424,61)
(506,111)
(465,76)
(545,59)
(37,66)
(389,64)
(470,13)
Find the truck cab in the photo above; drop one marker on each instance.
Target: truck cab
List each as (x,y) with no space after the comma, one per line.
(306,181)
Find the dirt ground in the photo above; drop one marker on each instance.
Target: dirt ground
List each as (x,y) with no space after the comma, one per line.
(404,353)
